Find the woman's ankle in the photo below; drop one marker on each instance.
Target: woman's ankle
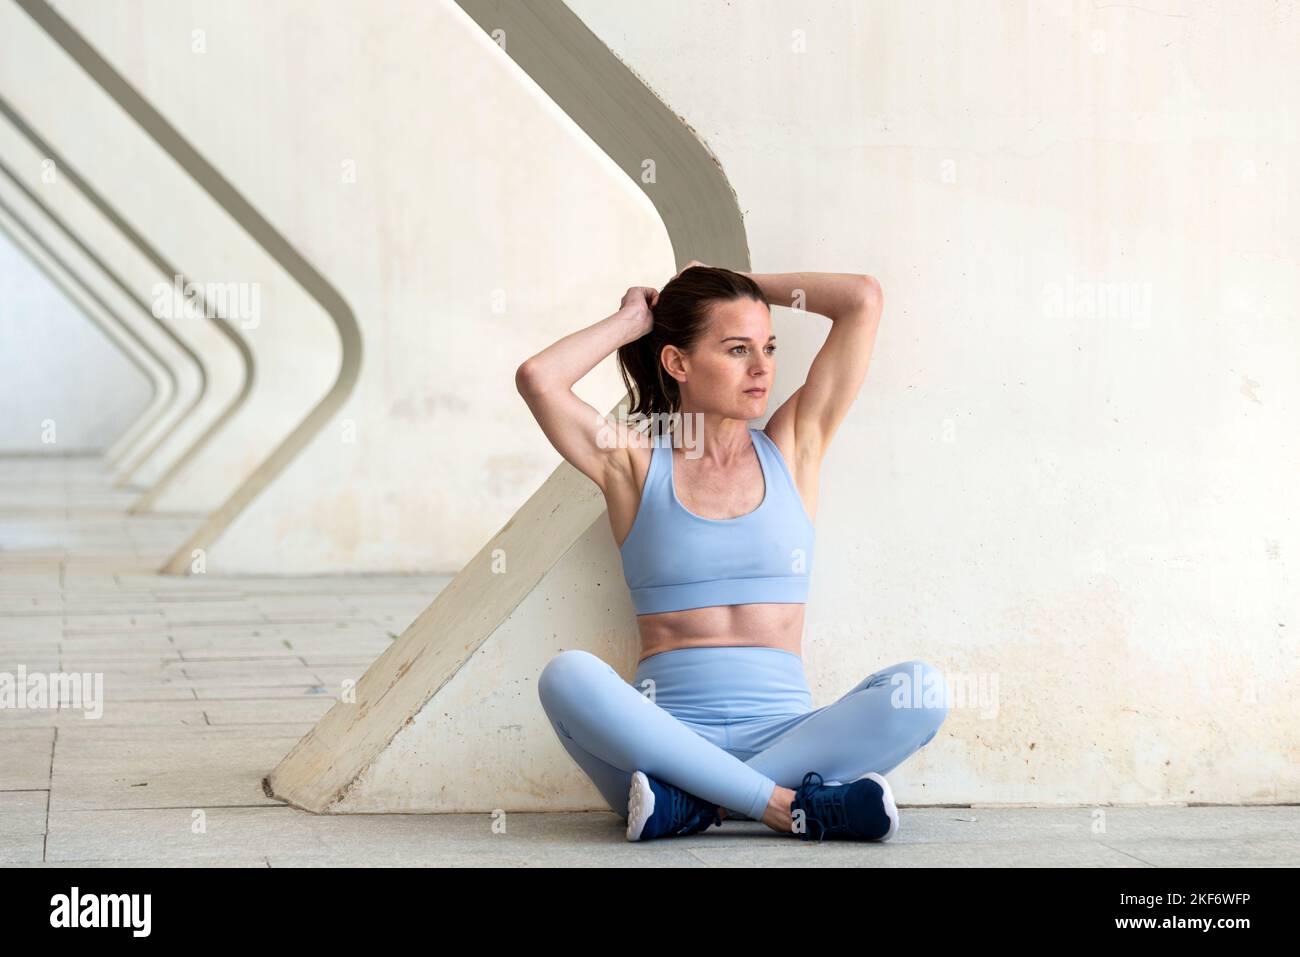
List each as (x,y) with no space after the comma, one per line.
(777,816)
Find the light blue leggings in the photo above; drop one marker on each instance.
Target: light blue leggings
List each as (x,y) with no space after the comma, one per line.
(728,724)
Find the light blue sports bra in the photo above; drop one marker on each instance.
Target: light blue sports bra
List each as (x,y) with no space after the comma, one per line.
(674,559)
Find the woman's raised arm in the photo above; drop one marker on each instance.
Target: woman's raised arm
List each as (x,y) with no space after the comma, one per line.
(582,435)
(854,303)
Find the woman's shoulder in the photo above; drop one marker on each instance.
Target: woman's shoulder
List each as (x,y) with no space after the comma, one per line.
(803,473)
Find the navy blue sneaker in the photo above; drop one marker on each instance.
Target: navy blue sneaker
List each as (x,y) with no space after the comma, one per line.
(656,809)
(862,810)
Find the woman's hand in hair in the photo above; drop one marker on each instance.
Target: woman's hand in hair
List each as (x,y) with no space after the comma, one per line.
(693,262)
(636,305)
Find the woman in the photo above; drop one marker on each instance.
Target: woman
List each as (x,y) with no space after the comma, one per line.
(716,537)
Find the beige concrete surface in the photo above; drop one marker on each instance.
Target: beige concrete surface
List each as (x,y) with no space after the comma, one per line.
(409,474)
(29,217)
(1076,429)
(211,680)
(126,270)
(290,334)
(97,393)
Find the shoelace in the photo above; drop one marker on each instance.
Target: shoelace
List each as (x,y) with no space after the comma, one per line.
(687,813)
(827,809)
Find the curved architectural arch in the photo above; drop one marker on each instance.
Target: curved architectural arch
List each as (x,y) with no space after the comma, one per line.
(261,231)
(136,456)
(122,338)
(166,268)
(33,238)
(627,121)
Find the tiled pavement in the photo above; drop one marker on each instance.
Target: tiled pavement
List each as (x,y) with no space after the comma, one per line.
(209,681)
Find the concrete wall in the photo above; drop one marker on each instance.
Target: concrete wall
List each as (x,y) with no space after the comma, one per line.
(292,339)
(160,378)
(58,365)
(1067,481)
(183,374)
(1071,467)
(124,273)
(464,232)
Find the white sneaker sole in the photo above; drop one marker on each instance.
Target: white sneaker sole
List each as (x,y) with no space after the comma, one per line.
(640,805)
(891,809)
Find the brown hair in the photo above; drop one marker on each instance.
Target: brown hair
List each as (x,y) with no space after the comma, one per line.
(681,314)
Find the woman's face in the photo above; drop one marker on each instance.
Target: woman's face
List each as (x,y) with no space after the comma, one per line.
(735,353)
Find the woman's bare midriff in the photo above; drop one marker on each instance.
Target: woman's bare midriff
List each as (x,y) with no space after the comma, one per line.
(767,624)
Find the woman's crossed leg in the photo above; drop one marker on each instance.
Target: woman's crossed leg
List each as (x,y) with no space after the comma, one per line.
(875,726)
(611,730)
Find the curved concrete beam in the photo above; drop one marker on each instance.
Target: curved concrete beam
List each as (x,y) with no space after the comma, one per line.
(261,231)
(280,255)
(492,630)
(29,217)
(121,339)
(146,266)
(136,457)
(102,313)
(629,123)
(423,302)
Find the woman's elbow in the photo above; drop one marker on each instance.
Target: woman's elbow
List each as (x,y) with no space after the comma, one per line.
(870,292)
(526,377)
(866,298)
